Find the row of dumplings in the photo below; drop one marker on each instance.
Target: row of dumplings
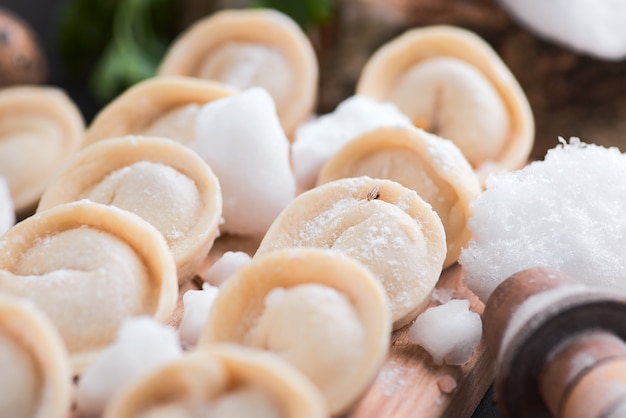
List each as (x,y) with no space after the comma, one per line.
(356,212)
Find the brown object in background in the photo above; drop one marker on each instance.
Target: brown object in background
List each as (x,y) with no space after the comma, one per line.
(22,60)
(570,94)
(559,345)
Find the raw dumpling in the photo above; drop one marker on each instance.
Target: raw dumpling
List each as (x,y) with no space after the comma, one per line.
(381,223)
(223,381)
(432,166)
(251,48)
(88,267)
(320,310)
(40,129)
(452,83)
(160,180)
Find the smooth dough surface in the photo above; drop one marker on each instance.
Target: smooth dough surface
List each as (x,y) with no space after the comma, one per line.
(19,379)
(308,315)
(243,65)
(102,278)
(178,124)
(243,402)
(454,100)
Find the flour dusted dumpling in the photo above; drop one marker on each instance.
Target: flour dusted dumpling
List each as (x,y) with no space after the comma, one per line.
(452,83)
(40,128)
(160,180)
(159,106)
(381,223)
(435,168)
(89,266)
(222,381)
(319,309)
(35,377)
(251,48)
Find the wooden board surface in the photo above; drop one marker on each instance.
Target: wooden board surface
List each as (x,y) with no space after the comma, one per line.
(409,384)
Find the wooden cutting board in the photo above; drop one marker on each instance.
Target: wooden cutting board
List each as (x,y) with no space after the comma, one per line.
(409,383)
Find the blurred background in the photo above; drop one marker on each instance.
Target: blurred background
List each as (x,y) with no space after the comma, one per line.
(94,49)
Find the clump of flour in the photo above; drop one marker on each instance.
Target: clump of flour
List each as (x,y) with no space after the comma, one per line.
(142,345)
(227,265)
(567,212)
(449,332)
(196,309)
(241,139)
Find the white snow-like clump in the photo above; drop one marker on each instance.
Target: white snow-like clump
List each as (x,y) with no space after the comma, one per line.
(142,345)
(319,139)
(594,27)
(566,212)
(241,139)
(229,263)
(7,210)
(196,309)
(449,332)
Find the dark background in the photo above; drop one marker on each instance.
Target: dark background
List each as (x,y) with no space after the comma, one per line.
(43,16)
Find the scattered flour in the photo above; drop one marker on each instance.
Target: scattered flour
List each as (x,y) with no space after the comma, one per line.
(449,332)
(565,212)
(142,345)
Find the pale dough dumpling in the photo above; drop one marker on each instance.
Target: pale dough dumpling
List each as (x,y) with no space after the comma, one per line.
(251,48)
(159,106)
(222,381)
(35,376)
(379,222)
(432,166)
(452,83)
(319,309)
(160,180)
(40,129)
(88,267)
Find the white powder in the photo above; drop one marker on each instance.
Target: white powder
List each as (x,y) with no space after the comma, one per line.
(442,296)
(449,332)
(392,377)
(242,140)
(196,310)
(566,213)
(227,265)
(142,345)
